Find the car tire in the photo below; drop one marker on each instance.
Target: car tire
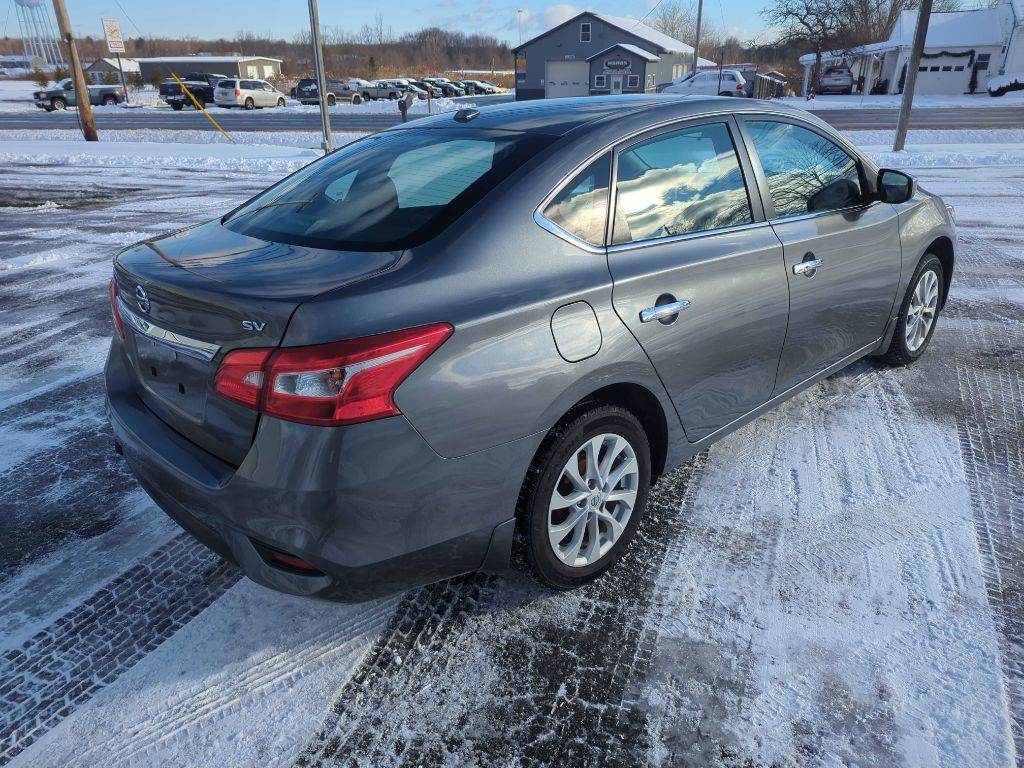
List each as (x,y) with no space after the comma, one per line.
(357,99)
(922,300)
(393,96)
(59,104)
(201,102)
(725,93)
(109,101)
(848,92)
(280,102)
(605,428)
(176,106)
(331,101)
(250,104)
(366,96)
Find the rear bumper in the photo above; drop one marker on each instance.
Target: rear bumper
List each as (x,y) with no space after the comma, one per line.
(371,505)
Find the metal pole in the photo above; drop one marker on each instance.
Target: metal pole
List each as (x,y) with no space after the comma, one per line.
(123,83)
(81,89)
(696,43)
(923,15)
(321,78)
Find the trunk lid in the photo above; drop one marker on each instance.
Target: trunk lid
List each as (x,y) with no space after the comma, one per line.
(190,297)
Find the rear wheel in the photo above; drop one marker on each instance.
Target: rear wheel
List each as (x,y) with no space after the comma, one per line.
(201,102)
(331,101)
(109,101)
(584,496)
(250,104)
(176,106)
(918,313)
(725,93)
(59,103)
(357,99)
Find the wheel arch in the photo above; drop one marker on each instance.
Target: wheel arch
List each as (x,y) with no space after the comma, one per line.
(942,248)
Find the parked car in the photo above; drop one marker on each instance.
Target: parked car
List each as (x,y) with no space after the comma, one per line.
(200,84)
(307,91)
(447,87)
(716,82)
(248,94)
(469,86)
(415,90)
(380,89)
(435,91)
(836,80)
(62,95)
(377,372)
(484,87)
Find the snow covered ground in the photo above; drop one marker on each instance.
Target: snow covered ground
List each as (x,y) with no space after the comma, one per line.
(981,100)
(839,583)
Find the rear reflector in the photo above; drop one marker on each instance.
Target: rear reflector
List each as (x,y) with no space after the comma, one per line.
(343,382)
(112,290)
(293,562)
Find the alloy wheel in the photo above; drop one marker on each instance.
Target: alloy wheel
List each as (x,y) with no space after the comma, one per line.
(921,313)
(593,500)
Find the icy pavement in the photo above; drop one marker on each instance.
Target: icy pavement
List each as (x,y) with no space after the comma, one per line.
(841,582)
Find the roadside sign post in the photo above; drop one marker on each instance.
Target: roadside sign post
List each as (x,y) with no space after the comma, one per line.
(321,77)
(77,76)
(923,15)
(115,44)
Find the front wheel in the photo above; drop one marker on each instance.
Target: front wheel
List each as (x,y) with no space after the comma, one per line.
(59,104)
(357,99)
(584,496)
(280,102)
(918,313)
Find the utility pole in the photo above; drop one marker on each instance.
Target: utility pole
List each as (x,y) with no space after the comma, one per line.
(696,43)
(321,77)
(81,89)
(923,15)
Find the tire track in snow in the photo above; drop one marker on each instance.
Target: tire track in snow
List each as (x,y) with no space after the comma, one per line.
(65,665)
(481,670)
(989,419)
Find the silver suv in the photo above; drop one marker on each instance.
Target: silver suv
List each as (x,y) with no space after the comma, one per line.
(511,319)
(836,80)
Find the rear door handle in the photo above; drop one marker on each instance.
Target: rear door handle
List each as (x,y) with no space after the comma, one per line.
(663,311)
(811,265)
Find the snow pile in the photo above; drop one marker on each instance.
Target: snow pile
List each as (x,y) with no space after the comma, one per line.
(921,101)
(1009,82)
(306,139)
(944,149)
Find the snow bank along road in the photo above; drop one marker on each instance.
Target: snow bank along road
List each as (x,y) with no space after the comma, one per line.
(841,582)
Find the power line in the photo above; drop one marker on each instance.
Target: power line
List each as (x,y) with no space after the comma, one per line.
(9,6)
(641,21)
(130,19)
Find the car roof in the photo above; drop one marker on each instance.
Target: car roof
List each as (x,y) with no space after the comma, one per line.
(559,116)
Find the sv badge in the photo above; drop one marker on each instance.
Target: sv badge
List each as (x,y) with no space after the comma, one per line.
(253,325)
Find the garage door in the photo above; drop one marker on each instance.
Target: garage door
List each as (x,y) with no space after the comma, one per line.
(566,78)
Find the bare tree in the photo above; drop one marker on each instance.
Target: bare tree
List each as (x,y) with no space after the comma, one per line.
(817,23)
(675,20)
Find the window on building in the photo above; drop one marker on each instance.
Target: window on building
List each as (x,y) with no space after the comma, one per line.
(981,63)
(933,69)
(947,69)
(600,81)
(958,69)
(922,69)
(581,208)
(585,32)
(806,172)
(632,81)
(679,183)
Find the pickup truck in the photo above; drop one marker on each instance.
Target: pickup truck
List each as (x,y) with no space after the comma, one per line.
(200,84)
(62,95)
(377,89)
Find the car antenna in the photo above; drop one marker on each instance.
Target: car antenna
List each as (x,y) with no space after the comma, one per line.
(465,115)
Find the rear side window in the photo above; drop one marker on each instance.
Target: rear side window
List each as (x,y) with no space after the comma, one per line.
(581,207)
(806,172)
(390,191)
(679,183)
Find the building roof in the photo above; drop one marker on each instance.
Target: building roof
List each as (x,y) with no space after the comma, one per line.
(955,29)
(208,59)
(659,41)
(128,65)
(635,50)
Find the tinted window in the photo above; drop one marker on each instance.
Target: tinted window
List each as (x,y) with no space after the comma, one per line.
(226,84)
(678,183)
(806,172)
(581,208)
(389,191)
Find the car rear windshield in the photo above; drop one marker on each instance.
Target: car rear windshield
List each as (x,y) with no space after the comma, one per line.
(390,191)
(226,84)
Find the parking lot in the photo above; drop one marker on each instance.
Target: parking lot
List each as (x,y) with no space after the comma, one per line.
(840,582)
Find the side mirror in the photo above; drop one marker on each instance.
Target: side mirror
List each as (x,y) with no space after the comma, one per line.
(895,186)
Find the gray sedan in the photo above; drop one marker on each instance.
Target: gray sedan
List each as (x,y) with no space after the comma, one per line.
(512,320)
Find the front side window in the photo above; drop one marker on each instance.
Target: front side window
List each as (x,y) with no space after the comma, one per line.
(581,208)
(806,172)
(679,183)
(585,32)
(390,191)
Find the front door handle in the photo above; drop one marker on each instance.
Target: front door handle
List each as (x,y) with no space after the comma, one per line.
(663,312)
(808,266)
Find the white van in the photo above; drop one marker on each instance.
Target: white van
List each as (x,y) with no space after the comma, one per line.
(249,94)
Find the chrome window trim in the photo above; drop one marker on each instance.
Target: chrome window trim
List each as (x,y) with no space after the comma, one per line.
(687,236)
(569,237)
(816,214)
(201,350)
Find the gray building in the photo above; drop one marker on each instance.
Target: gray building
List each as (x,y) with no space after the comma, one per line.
(256,67)
(100,68)
(595,53)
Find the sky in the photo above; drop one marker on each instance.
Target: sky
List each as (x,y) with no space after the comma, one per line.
(283,18)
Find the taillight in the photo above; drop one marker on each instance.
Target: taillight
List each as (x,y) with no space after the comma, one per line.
(118,324)
(238,92)
(344,382)
(739,86)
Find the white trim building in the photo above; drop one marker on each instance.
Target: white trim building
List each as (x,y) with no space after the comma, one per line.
(961,46)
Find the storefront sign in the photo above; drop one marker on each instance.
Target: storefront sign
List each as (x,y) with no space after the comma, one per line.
(617,66)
